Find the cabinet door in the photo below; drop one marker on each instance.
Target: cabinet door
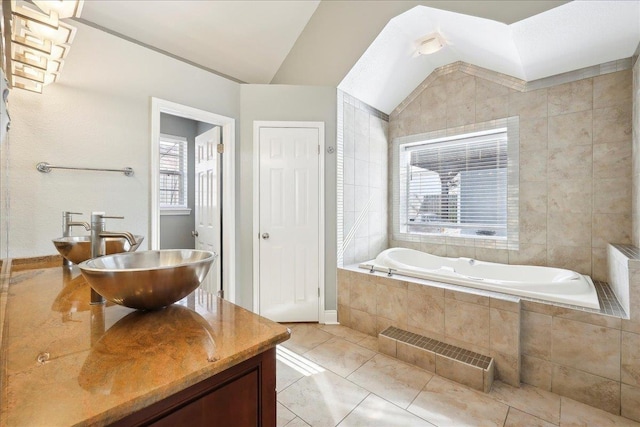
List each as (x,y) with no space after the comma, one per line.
(234,404)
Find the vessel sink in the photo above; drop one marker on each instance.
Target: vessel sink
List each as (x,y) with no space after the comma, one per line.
(147,280)
(78,248)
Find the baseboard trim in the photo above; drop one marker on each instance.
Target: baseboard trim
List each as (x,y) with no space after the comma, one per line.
(331,317)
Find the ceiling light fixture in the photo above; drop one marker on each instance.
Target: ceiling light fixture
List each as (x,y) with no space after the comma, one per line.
(36,41)
(430,44)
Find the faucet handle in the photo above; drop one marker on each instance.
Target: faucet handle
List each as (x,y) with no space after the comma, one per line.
(65,213)
(112,217)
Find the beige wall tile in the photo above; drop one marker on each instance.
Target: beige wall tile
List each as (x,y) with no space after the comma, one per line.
(593,349)
(505,331)
(572,162)
(528,104)
(416,356)
(492,255)
(536,334)
(533,196)
(630,396)
(363,322)
(586,317)
(612,196)
(433,99)
(612,89)
(432,291)
(492,108)
(611,228)
(459,372)
(571,129)
(533,228)
(529,254)
(460,90)
(536,372)
(572,195)
(612,160)
(383,323)
(454,251)
(344,284)
(569,229)
(586,388)
(461,114)
(533,134)
(599,268)
(362,295)
(467,322)
(630,361)
(533,166)
(392,303)
(426,311)
(571,97)
(467,297)
(612,123)
(570,257)
(487,89)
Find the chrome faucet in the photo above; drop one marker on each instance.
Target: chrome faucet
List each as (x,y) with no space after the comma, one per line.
(98,244)
(67,223)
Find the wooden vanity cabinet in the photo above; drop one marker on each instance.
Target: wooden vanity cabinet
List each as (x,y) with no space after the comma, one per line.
(243,395)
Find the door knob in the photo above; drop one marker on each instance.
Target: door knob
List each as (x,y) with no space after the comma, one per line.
(265,235)
(194,233)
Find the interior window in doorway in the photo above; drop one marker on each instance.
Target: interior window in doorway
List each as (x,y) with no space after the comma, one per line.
(173,172)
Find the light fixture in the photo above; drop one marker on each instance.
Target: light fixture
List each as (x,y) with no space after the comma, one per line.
(430,44)
(36,41)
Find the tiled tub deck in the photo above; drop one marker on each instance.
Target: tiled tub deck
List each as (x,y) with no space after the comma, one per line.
(580,353)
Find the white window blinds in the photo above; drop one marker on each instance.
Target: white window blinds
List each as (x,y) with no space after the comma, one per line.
(456,185)
(173,171)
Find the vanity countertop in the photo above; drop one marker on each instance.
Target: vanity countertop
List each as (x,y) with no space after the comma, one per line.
(66,362)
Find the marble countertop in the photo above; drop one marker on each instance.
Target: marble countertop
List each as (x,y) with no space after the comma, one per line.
(66,362)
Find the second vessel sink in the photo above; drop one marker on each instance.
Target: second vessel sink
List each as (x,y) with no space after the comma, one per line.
(148,280)
(78,248)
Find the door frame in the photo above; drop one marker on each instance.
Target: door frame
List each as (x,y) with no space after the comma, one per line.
(257,124)
(228,125)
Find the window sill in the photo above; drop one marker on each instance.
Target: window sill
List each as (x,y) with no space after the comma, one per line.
(175,211)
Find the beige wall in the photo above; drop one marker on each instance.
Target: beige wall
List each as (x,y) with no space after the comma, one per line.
(575,162)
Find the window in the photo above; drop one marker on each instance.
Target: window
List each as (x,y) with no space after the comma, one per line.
(455,186)
(173,172)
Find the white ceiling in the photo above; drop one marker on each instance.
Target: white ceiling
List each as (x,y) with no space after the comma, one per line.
(246,40)
(569,37)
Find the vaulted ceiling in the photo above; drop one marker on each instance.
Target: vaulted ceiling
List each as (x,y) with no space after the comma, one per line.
(365,46)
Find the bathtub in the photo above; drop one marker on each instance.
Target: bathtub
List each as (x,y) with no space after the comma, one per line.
(543,283)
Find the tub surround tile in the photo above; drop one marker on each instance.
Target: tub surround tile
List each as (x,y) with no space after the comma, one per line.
(536,372)
(462,373)
(362,295)
(533,228)
(570,257)
(363,322)
(467,297)
(576,414)
(505,331)
(572,162)
(468,322)
(528,104)
(570,196)
(611,196)
(537,402)
(587,388)
(536,334)
(492,108)
(392,302)
(565,228)
(344,315)
(612,123)
(532,254)
(533,134)
(425,310)
(507,367)
(630,397)
(445,403)
(391,379)
(612,160)
(590,348)
(533,166)
(607,228)
(501,304)
(630,362)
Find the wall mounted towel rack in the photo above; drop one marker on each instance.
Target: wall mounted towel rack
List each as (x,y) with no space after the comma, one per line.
(45,167)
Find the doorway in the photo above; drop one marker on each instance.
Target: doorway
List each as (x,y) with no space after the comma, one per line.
(223,273)
(289,221)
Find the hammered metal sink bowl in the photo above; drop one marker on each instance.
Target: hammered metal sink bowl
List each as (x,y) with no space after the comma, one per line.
(148,280)
(78,248)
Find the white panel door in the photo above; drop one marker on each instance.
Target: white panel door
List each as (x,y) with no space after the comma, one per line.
(207,204)
(289,224)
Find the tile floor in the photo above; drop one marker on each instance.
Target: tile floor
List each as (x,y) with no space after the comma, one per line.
(330,375)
